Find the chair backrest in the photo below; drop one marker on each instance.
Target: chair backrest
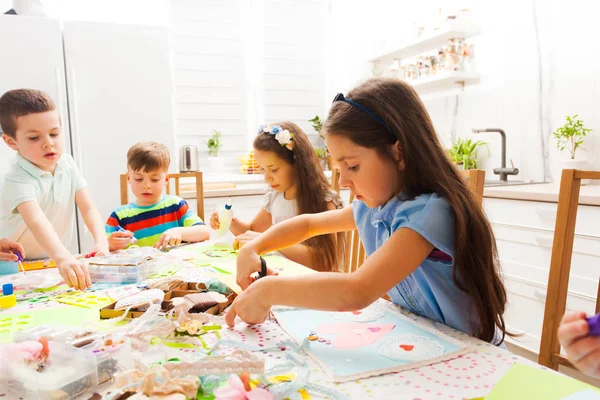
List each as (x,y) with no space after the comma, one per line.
(335,179)
(560,266)
(199,185)
(475,180)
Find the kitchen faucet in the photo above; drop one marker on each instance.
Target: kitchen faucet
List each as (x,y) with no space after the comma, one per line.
(502,171)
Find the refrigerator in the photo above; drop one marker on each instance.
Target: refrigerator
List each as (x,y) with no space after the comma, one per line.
(112,84)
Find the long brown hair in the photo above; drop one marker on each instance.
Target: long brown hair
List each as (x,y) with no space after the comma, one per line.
(427,169)
(312,192)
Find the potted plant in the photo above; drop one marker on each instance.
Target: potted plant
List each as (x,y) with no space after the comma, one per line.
(322,156)
(215,163)
(317,125)
(464,152)
(570,137)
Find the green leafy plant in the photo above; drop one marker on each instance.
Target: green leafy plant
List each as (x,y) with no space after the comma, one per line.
(464,151)
(214,143)
(317,124)
(570,135)
(321,152)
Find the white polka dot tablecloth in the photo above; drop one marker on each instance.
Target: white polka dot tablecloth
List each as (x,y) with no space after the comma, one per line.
(470,375)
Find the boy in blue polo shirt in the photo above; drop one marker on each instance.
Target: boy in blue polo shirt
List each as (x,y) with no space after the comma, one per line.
(37,204)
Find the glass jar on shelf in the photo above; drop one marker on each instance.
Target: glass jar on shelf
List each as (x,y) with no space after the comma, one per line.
(468,57)
(451,56)
(401,72)
(410,72)
(420,68)
(459,47)
(427,66)
(440,61)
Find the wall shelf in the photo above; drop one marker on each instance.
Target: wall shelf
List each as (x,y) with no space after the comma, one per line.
(444,81)
(427,42)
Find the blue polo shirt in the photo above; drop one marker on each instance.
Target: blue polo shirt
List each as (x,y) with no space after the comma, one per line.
(429,290)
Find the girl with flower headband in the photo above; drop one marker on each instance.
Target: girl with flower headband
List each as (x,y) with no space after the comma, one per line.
(429,244)
(298,186)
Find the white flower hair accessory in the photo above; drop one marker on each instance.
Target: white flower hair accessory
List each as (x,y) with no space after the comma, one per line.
(283,136)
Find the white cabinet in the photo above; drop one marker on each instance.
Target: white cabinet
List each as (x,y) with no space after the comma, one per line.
(524,233)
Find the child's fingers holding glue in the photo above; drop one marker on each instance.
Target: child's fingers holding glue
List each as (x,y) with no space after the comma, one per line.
(214,220)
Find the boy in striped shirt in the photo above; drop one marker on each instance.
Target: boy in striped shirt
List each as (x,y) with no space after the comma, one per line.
(155,219)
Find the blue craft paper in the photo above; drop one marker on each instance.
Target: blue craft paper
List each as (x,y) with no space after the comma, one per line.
(343,362)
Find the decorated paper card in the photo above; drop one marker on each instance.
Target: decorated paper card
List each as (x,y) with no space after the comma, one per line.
(369,342)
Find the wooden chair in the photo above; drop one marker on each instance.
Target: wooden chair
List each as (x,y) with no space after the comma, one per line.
(560,266)
(475,180)
(335,179)
(176,177)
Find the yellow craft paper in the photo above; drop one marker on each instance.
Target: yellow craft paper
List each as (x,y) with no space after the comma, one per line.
(524,382)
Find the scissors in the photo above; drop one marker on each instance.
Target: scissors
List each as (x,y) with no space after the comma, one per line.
(263,268)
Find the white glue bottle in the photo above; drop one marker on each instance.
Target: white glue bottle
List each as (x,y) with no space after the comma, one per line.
(225,217)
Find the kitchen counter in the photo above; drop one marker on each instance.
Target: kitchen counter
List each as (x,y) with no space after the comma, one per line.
(254,185)
(242,185)
(545,192)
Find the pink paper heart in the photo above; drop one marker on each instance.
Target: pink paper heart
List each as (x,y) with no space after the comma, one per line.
(350,335)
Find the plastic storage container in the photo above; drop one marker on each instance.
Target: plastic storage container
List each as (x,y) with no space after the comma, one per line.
(129,266)
(111,357)
(70,372)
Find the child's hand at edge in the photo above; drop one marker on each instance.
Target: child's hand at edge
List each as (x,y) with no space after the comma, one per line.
(74,273)
(582,349)
(7,249)
(171,237)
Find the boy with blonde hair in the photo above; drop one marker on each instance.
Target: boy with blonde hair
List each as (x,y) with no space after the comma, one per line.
(154,219)
(37,206)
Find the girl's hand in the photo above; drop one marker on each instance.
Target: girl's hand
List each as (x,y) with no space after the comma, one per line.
(7,249)
(171,237)
(582,350)
(214,220)
(244,238)
(248,263)
(250,305)
(119,240)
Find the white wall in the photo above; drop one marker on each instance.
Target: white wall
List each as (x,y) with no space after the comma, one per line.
(149,12)
(236,63)
(538,64)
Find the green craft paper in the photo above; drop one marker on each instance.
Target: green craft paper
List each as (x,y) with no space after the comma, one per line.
(524,382)
(66,315)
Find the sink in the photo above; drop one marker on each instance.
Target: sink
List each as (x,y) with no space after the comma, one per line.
(492,183)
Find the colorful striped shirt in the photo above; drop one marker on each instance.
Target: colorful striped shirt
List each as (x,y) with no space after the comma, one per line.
(148,223)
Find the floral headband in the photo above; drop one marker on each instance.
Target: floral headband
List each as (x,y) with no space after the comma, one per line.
(283,136)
